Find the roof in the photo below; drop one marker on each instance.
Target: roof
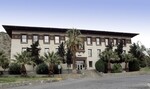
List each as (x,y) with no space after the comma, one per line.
(10,28)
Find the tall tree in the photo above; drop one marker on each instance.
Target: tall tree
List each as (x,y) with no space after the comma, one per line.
(61,52)
(119,50)
(4,62)
(127,57)
(23,58)
(72,43)
(51,58)
(35,53)
(138,52)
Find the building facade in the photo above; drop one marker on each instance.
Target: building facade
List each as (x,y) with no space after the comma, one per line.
(94,42)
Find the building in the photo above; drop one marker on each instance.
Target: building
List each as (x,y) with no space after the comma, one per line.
(50,38)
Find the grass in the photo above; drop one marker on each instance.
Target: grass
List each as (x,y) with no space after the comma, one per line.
(9,79)
(146,69)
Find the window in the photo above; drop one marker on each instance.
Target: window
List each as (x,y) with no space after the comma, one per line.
(81,46)
(89,52)
(56,49)
(124,42)
(46,50)
(90,64)
(98,42)
(35,38)
(106,41)
(57,39)
(24,49)
(115,42)
(89,41)
(23,38)
(46,39)
(98,52)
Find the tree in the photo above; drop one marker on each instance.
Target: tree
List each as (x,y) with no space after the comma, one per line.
(34,50)
(138,52)
(127,57)
(119,50)
(108,55)
(23,58)
(51,58)
(4,62)
(61,52)
(73,42)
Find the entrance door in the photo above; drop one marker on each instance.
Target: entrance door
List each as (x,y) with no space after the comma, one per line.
(80,65)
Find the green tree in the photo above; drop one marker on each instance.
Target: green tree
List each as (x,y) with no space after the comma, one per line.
(34,50)
(51,58)
(138,52)
(127,58)
(61,52)
(4,62)
(119,50)
(108,55)
(73,42)
(23,58)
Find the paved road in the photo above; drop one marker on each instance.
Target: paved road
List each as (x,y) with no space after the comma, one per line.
(128,82)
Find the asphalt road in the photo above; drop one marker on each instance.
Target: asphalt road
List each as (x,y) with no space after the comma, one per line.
(126,82)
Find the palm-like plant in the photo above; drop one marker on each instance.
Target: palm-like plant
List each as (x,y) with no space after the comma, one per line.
(23,58)
(51,58)
(127,57)
(73,42)
(4,62)
(109,55)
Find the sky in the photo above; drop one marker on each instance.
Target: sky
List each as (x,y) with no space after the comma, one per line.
(107,15)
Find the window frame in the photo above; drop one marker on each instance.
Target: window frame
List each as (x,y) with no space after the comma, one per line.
(90,64)
(87,42)
(90,54)
(33,38)
(97,41)
(106,44)
(44,40)
(22,38)
(55,39)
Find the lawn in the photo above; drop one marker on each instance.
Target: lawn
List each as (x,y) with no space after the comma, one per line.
(10,79)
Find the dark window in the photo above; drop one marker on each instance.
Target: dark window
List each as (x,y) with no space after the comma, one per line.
(115,42)
(98,52)
(35,38)
(57,39)
(46,39)
(81,46)
(98,41)
(24,38)
(106,41)
(90,64)
(89,40)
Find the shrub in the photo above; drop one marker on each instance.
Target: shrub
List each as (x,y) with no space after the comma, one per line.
(42,69)
(100,66)
(134,65)
(56,70)
(117,68)
(14,68)
(142,63)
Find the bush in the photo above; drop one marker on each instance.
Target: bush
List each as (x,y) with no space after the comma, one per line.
(14,68)
(56,70)
(42,69)
(134,65)
(101,66)
(117,68)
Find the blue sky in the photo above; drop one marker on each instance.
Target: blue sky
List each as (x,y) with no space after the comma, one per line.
(109,15)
